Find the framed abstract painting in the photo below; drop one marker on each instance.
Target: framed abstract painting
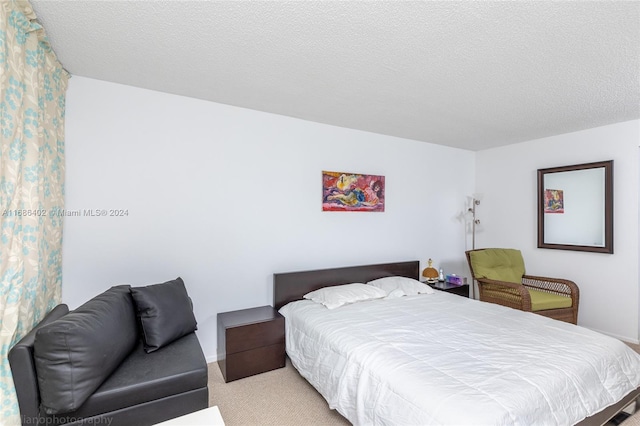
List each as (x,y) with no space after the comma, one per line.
(553,201)
(352,192)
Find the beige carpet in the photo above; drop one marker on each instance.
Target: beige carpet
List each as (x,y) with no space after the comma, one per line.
(282,397)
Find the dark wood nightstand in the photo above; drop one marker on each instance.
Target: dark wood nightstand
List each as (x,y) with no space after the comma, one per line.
(250,341)
(460,290)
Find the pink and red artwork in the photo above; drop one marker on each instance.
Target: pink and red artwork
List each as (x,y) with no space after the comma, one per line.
(553,201)
(352,192)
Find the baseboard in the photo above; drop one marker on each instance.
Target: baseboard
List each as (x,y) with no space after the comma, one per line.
(623,338)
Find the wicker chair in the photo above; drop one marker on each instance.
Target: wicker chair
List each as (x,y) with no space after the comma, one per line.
(545,291)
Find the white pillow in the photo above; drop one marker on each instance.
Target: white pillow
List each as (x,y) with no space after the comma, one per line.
(395,294)
(336,296)
(408,286)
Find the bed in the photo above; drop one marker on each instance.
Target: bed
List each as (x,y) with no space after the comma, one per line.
(444,359)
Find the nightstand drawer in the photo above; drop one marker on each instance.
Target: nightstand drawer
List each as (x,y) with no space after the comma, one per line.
(459,289)
(252,336)
(256,361)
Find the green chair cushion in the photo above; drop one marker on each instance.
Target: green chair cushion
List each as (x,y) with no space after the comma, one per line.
(498,264)
(541,301)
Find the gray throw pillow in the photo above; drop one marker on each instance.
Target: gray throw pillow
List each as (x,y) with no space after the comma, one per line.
(165,312)
(75,354)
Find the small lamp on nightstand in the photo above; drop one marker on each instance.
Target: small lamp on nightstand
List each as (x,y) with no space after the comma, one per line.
(430,273)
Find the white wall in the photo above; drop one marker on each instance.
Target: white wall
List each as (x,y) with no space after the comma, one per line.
(507,178)
(225,197)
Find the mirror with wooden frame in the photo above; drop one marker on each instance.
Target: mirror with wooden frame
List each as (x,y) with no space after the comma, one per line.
(575,207)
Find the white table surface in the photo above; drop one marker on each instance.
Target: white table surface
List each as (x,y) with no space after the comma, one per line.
(208,416)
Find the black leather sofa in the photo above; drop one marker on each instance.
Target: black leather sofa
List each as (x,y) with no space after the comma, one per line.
(143,381)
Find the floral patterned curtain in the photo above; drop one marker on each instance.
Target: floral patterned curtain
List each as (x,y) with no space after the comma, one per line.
(32,102)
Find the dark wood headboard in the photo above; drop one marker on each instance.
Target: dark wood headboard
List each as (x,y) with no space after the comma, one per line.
(291,286)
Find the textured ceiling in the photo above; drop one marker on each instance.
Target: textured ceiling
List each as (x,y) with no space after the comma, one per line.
(472,75)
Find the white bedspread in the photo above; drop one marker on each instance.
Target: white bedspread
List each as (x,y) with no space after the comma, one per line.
(446,359)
